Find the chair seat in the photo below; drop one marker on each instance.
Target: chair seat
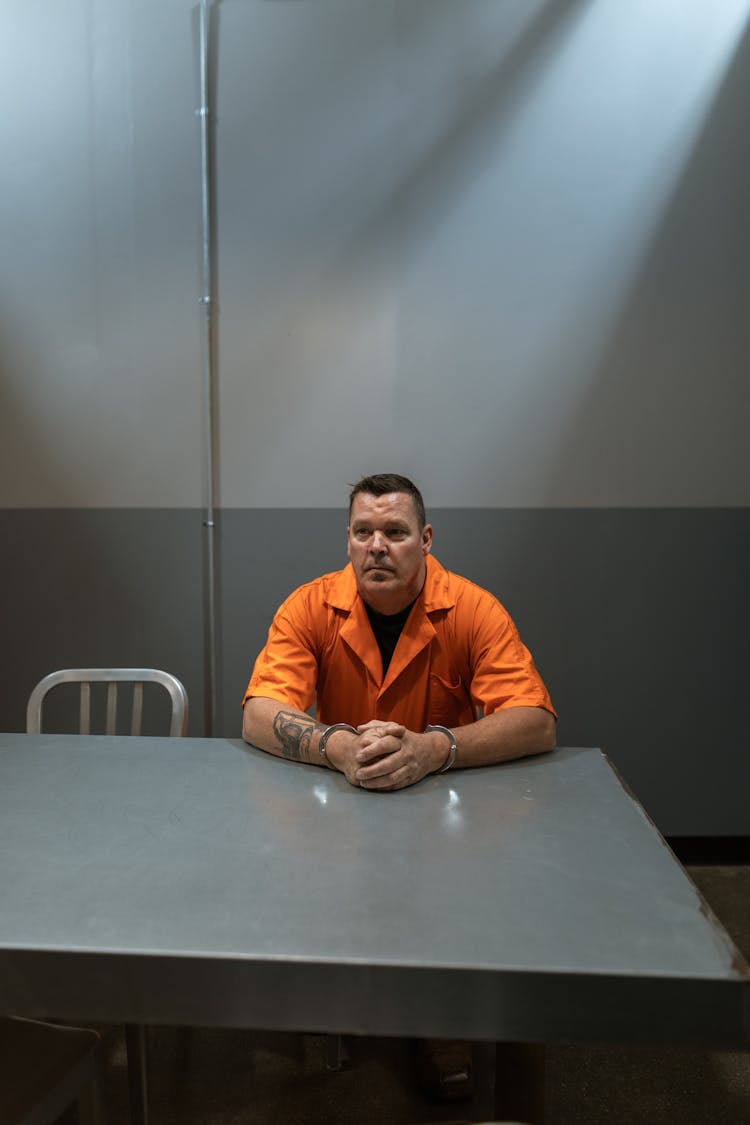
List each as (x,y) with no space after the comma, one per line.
(43,1068)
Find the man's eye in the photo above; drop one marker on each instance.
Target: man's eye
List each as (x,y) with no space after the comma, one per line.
(397,533)
(361,533)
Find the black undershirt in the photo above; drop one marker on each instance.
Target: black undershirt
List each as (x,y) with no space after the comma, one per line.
(387,628)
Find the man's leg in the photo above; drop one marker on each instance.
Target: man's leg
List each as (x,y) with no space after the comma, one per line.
(445,1069)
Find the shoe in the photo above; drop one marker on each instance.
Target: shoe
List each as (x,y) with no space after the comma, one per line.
(445,1069)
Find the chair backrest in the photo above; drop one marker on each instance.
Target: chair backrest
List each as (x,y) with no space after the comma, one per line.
(112,677)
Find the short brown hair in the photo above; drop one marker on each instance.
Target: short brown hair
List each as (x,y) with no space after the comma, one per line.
(382,483)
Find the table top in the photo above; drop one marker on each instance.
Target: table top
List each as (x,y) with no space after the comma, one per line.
(201,881)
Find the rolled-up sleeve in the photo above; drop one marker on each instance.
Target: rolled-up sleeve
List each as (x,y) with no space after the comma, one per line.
(287,667)
(503,672)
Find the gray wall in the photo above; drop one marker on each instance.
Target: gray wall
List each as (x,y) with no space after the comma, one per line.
(500,246)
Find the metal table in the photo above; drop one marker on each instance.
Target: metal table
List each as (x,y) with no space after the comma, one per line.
(203,882)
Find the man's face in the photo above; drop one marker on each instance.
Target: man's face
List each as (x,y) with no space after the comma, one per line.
(387,549)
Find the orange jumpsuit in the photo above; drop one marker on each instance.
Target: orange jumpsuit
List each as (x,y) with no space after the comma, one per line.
(459,656)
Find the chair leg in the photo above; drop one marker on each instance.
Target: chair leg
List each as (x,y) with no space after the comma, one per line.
(136,1043)
(520,1072)
(333,1052)
(91,1102)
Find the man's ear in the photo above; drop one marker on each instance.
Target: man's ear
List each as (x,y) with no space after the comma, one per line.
(426,539)
(348,549)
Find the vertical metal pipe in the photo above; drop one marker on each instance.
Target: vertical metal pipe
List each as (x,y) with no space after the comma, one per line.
(203,113)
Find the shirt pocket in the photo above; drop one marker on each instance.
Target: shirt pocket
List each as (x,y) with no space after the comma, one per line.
(449,703)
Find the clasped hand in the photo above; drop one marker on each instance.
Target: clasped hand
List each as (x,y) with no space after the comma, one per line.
(385,755)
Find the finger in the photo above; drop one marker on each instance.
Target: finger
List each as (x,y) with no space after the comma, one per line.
(385,740)
(384,766)
(376,750)
(386,727)
(398,779)
(374,734)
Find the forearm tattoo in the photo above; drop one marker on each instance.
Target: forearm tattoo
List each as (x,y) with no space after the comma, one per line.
(294,734)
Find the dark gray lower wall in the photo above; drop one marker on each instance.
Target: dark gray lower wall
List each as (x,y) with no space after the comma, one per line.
(638,619)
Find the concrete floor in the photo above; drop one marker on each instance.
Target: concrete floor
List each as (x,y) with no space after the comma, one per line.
(211,1077)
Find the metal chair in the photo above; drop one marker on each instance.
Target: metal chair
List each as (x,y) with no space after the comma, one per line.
(135,1036)
(47,1068)
(112,677)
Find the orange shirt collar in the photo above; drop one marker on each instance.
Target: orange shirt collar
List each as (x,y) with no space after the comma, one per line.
(436,592)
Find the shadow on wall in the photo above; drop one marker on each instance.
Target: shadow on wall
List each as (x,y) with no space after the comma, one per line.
(664,389)
(468,135)
(327,302)
(87,587)
(641,613)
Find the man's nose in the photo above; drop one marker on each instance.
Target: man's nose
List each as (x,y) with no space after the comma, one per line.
(378,543)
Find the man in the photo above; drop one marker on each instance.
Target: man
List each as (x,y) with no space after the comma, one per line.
(400,657)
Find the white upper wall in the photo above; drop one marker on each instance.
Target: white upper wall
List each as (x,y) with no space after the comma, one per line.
(501,247)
